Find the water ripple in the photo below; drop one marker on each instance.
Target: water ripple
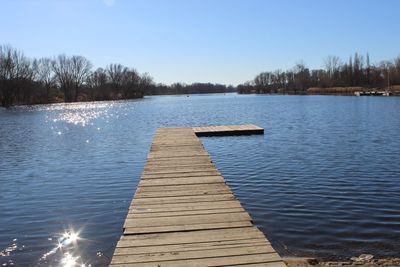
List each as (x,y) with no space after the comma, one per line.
(323,181)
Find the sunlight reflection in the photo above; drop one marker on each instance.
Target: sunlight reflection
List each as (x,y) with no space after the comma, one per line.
(69,237)
(66,247)
(79,113)
(8,250)
(69,261)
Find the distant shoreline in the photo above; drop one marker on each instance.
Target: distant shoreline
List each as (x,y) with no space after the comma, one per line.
(344,91)
(320,93)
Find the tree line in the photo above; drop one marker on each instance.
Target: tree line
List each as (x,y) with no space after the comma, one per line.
(64,78)
(356,73)
(71,78)
(194,88)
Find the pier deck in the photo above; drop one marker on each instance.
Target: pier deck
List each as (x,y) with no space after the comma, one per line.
(183,213)
(228,130)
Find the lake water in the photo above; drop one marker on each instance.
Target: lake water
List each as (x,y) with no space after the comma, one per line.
(323,181)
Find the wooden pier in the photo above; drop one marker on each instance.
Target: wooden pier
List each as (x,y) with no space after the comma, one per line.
(183,213)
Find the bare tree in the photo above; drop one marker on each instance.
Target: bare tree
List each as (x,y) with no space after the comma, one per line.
(332,66)
(130,84)
(301,77)
(145,84)
(396,70)
(63,75)
(71,73)
(387,66)
(15,74)
(97,83)
(368,71)
(44,74)
(81,69)
(116,73)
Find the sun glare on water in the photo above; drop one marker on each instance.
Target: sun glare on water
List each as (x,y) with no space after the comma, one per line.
(67,247)
(80,113)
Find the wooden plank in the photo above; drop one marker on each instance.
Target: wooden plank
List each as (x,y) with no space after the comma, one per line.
(179,169)
(142,214)
(187,227)
(265,264)
(155,148)
(175,144)
(165,207)
(184,199)
(182,180)
(216,252)
(182,193)
(180,153)
(176,147)
(215,261)
(188,174)
(182,188)
(180,159)
(194,237)
(189,247)
(165,149)
(177,154)
(176,164)
(187,219)
(199,172)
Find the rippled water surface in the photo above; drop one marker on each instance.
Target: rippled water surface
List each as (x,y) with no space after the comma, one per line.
(323,181)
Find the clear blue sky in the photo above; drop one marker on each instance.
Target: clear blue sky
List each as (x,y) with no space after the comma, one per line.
(224,41)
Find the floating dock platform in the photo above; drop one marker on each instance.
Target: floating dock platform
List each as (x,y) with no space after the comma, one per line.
(228,130)
(183,213)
